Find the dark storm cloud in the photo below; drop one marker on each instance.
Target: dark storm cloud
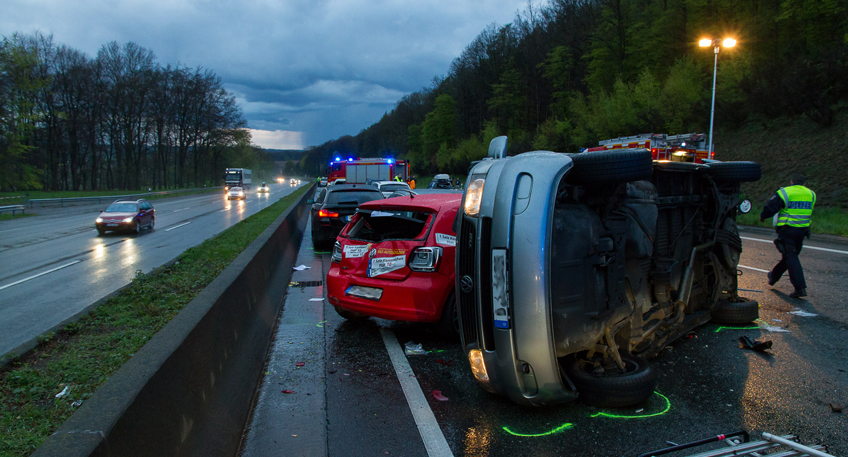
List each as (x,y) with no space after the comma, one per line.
(318,69)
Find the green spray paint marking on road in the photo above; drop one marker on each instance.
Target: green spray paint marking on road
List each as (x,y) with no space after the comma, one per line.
(320,324)
(554,431)
(744,328)
(616,416)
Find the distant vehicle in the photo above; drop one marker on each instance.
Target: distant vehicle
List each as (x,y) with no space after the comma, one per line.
(339,181)
(322,182)
(387,187)
(126,215)
(263,189)
(416,192)
(334,207)
(237,177)
(294,182)
(395,260)
(360,171)
(440,181)
(686,147)
(235,193)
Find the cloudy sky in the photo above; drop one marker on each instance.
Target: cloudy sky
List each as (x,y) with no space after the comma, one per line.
(303,71)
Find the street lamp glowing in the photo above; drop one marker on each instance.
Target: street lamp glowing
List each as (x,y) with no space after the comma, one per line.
(728,43)
(705,43)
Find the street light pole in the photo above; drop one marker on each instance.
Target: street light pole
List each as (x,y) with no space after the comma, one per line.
(712,109)
(716,44)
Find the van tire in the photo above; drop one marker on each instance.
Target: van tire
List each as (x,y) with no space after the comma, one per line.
(735,313)
(611,167)
(613,390)
(735,171)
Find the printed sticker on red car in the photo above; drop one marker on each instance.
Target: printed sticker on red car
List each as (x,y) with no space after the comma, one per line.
(447,240)
(382,265)
(354,251)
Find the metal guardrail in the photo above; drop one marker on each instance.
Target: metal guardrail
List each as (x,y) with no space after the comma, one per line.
(13,209)
(108,198)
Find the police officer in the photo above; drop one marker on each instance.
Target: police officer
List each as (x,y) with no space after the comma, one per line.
(794,208)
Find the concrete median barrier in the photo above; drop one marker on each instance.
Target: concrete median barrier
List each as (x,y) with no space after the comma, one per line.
(189,390)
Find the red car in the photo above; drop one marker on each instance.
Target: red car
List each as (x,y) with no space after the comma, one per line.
(126,215)
(395,260)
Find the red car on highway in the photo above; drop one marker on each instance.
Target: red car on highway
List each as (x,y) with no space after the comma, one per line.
(395,260)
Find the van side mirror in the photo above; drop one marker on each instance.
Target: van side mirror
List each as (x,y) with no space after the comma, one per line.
(497,147)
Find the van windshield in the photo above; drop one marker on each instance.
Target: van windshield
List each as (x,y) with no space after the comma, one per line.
(391,225)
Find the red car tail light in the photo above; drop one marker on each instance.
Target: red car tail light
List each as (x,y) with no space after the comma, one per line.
(425,259)
(325,213)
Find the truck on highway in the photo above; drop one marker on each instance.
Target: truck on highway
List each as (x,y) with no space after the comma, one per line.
(237,177)
(573,269)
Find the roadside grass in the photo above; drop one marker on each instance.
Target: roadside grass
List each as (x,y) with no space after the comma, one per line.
(81,357)
(4,217)
(23,197)
(829,221)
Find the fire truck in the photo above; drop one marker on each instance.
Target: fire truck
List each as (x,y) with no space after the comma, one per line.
(687,147)
(358,171)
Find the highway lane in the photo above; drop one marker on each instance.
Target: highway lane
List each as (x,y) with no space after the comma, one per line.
(55,265)
(707,384)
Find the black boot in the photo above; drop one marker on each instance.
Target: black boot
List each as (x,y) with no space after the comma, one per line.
(798,293)
(771,282)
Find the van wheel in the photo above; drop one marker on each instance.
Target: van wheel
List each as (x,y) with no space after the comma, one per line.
(734,313)
(735,171)
(448,325)
(611,167)
(612,388)
(350,315)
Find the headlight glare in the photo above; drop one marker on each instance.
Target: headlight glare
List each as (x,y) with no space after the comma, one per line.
(99,220)
(473,197)
(128,219)
(478,365)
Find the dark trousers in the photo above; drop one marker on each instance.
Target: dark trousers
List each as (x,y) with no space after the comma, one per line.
(789,242)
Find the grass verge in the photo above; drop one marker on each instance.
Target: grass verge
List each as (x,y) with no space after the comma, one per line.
(829,221)
(81,357)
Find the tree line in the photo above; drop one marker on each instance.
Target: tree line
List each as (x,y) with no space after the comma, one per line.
(568,73)
(119,120)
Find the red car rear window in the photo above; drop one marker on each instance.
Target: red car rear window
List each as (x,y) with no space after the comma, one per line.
(381,225)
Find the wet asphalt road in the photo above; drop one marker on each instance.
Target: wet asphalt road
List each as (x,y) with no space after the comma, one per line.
(346,400)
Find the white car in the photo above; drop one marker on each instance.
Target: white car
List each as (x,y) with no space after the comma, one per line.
(389,187)
(263,188)
(235,193)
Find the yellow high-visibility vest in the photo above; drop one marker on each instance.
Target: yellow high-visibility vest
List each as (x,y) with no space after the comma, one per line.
(798,203)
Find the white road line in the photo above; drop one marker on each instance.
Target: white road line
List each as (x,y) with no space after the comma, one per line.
(805,245)
(752,268)
(40,274)
(224,210)
(178,210)
(177,226)
(431,433)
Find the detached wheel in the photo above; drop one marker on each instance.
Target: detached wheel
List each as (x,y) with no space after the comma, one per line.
(735,171)
(611,167)
(734,313)
(350,315)
(613,388)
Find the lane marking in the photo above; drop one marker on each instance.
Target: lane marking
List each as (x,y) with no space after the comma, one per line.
(224,210)
(177,226)
(752,268)
(428,427)
(178,210)
(41,274)
(805,245)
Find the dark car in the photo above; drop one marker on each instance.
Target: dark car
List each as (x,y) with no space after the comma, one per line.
(126,215)
(334,206)
(440,181)
(574,269)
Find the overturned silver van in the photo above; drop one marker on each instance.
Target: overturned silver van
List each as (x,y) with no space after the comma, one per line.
(573,269)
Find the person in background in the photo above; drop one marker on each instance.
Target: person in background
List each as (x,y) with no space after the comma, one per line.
(412,182)
(793,206)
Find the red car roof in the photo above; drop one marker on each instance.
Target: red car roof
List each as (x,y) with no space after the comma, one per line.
(426,201)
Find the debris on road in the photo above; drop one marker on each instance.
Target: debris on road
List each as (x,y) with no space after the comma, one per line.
(801,313)
(316,299)
(446,363)
(288,391)
(759,346)
(414,349)
(751,290)
(837,408)
(437,394)
(301,268)
(64,392)
(300,364)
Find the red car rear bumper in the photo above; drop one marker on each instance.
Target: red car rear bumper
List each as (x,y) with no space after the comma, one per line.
(418,298)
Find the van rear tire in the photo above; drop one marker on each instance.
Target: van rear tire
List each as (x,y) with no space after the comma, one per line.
(611,167)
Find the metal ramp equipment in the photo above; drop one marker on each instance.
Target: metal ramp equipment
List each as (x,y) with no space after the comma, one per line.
(739,444)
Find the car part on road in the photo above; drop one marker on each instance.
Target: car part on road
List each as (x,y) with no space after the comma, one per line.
(744,446)
(567,262)
(745,342)
(737,312)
